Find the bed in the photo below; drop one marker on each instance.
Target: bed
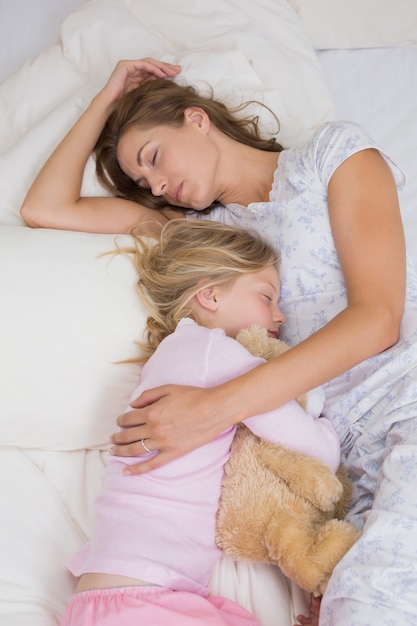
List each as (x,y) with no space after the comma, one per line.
(68,313)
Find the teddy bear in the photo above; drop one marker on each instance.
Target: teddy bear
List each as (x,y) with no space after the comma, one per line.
(280,506)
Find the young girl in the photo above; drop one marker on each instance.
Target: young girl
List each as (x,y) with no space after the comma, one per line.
(152,547)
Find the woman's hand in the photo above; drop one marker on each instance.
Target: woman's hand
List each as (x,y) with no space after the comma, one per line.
(130,74)
(172,433)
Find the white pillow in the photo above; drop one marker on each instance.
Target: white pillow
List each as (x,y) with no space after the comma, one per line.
(268,34)
(66,317)
(358,23)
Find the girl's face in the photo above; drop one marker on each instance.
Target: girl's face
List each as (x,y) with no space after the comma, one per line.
(179,164)
(251,299)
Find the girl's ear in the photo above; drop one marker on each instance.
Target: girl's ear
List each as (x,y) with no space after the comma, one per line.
(207,298)
(197,116)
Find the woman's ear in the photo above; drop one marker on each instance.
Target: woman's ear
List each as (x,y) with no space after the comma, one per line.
(207,298)
(197,116)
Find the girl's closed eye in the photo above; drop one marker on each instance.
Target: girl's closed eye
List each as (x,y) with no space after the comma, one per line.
(267,294)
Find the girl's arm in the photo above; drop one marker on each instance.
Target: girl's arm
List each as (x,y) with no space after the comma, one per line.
(292,427)
(54,201)
(368,234)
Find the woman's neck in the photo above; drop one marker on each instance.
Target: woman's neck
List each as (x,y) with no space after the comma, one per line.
(252,171)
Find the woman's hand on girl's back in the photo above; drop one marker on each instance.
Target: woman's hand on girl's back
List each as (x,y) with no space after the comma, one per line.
(173,434)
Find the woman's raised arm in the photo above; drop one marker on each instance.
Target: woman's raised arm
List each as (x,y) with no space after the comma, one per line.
(54,201)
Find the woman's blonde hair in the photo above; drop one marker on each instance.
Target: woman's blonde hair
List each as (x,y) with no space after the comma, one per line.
(188,255)
(163,102)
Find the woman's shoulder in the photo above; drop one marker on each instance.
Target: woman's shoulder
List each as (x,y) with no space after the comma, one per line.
(329,146)
(342,133)
(331,133)
(333,142)
(341,127)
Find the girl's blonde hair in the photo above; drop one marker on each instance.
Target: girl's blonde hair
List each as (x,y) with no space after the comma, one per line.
(163,102)
(188,255)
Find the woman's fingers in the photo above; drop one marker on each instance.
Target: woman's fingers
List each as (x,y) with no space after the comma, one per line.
(169,423)
(154,462)
(160,69)
(127,443)
(129,74)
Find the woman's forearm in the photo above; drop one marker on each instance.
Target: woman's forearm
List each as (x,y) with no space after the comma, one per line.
(367,228)
(54,199)
(343,343)
(58,184)
(175,420)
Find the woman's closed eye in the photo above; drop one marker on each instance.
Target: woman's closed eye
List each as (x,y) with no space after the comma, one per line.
(142,182)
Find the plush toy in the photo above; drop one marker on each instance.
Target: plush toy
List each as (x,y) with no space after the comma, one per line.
(280,506)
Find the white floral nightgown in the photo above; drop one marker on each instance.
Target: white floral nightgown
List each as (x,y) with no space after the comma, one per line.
(374,405)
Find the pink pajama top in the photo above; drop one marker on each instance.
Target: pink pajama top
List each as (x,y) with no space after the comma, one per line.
(160,527)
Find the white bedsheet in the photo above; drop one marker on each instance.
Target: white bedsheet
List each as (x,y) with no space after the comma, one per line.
(377,88)
(48,480)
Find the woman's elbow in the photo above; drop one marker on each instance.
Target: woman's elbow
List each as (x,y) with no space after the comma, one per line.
(390,327)
(26,213)
(31,215)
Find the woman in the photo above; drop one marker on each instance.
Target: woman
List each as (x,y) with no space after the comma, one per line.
(331,207)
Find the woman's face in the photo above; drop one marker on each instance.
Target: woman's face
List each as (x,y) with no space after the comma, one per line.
(178,164)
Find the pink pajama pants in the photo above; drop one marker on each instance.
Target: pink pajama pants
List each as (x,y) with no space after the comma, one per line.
(153,606)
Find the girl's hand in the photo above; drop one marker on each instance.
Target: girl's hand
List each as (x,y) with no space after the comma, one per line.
(172,434)
(130,74)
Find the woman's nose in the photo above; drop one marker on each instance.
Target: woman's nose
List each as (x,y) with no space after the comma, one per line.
(158,186)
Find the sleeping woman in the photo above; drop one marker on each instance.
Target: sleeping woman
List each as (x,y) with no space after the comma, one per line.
(350,298)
